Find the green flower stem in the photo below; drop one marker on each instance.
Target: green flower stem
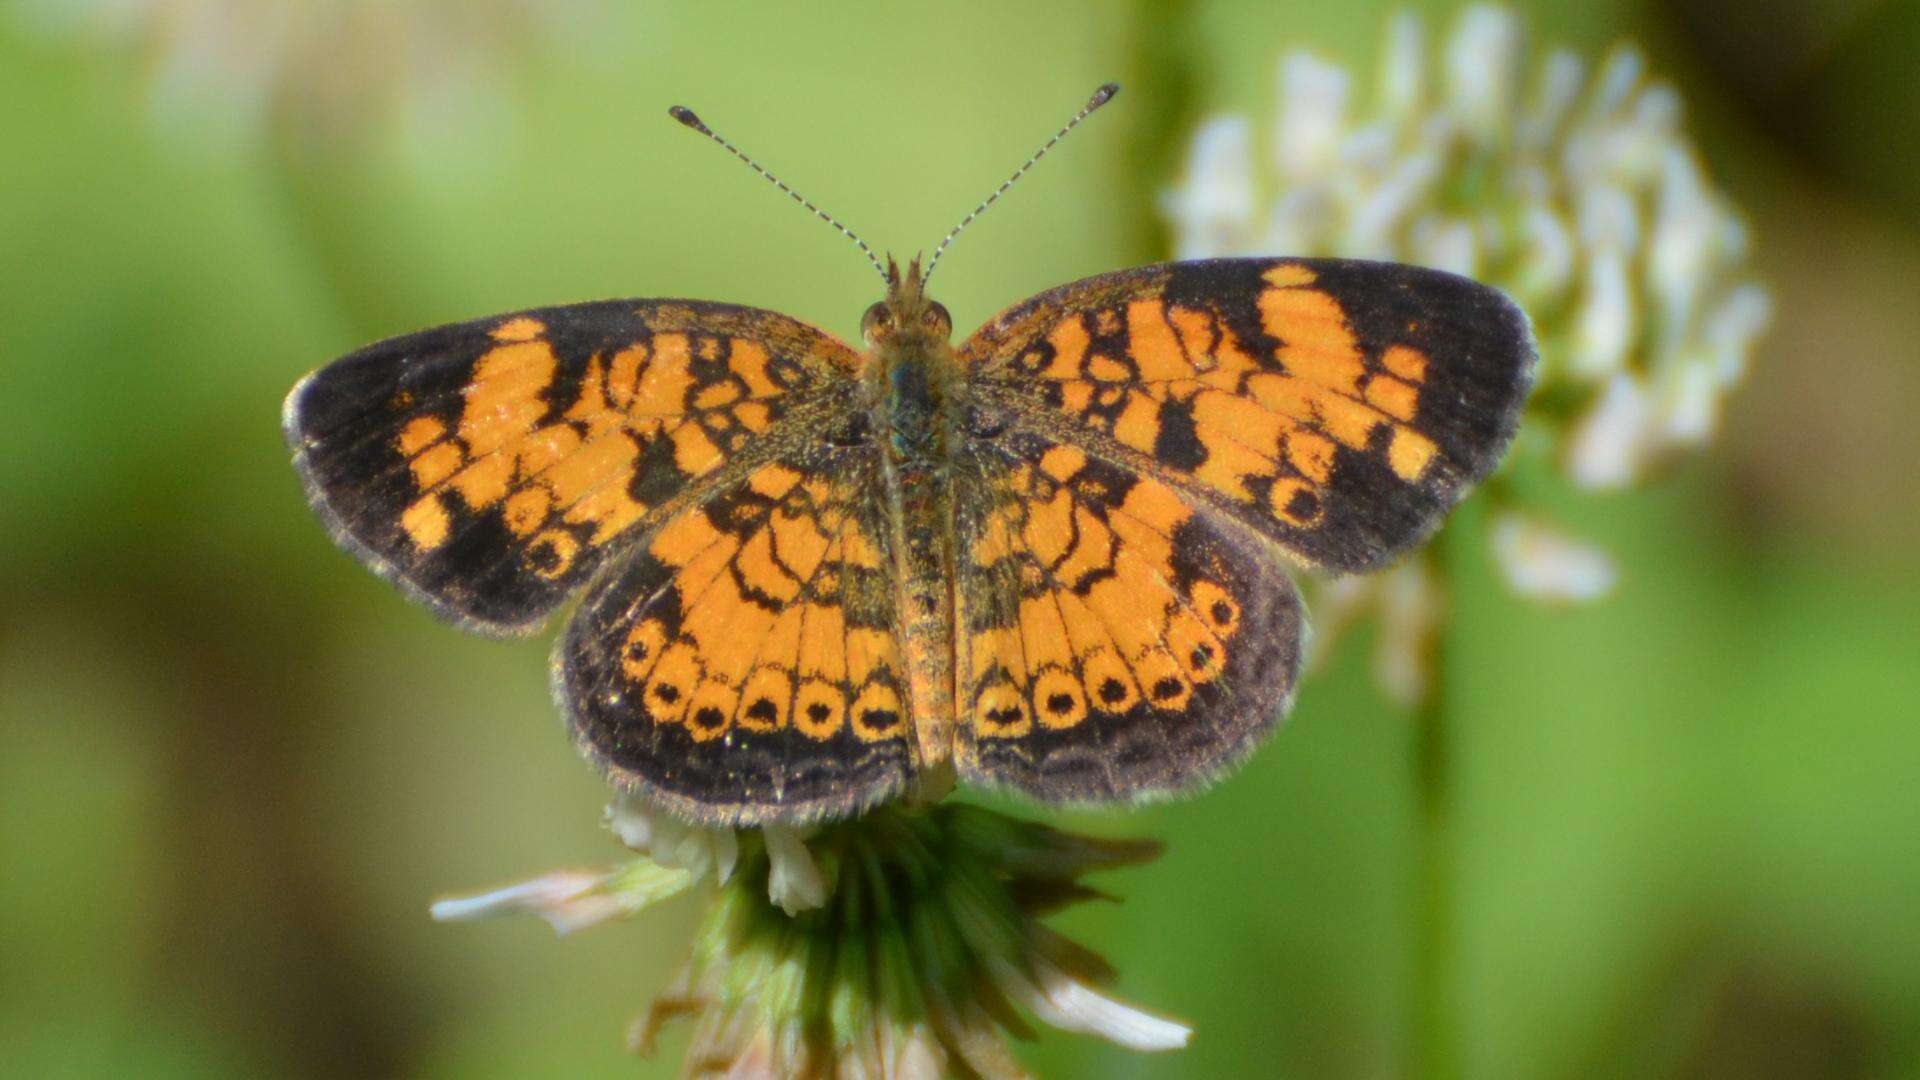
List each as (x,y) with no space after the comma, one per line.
(1435,1050)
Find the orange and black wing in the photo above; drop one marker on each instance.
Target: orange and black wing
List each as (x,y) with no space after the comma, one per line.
(489,468)
(1112,642)
(1338,408)
(1138,449)
(743,667)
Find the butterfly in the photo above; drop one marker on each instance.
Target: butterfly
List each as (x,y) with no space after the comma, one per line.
(1052,558)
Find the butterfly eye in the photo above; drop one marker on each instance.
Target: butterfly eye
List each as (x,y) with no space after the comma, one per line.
(937,319)
(877,317)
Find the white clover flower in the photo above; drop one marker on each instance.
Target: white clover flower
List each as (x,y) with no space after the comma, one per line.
(896,945)
(1542,563)
(1575,189)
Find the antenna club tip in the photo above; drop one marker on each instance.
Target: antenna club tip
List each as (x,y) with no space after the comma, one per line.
(1103,95)
(687,117)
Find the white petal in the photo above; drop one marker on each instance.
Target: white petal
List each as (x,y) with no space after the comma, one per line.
(1685,225)
(1603,323)
(1403,76)
(1071,1005)
(1542,563)
(1313,111)
(1689,404)
(568,901)
(794,883)
(1608,446)
(1212,210)
(1445,244)
(1547,259)
(1555,89)
(1483,70)
(1733,327)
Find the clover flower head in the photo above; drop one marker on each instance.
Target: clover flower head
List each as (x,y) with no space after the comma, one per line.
(903,944)
(1572,186)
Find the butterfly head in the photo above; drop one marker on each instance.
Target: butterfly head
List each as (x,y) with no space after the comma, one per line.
(907,315)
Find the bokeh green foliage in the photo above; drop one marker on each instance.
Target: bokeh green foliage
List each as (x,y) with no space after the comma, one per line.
(234,766)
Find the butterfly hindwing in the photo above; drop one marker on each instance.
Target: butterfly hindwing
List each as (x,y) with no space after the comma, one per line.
(1111,642)
(744,667)
(489,468)
(1338,407)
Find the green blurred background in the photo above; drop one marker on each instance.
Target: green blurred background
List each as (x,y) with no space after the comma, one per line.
(234,767)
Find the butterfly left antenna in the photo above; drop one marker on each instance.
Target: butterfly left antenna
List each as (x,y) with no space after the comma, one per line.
(686,116)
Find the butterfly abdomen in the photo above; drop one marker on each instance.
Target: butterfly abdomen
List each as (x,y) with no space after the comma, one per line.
(913,410)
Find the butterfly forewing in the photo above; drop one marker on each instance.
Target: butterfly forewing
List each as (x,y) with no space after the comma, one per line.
(489,468)
(1337,407)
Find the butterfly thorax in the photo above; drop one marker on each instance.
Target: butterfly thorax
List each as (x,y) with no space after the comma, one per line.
(912,379)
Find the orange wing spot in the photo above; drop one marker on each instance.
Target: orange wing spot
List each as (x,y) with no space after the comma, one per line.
(1069,341)
(1156,353)
(1295,502)
(877,715)
(1311,455)
(432,467)
(1000,713)
(1163,681)
(1315,341)
(858,550)
(868,651)
(623,374)
(1049,528)
(1407,362)
(819,709)
(611,510)
(1058,699)
(717,396)
(420,433)
(822,644)
(1393,397)
(504,397)
(670,684)
(773,481)
(799,542)
(426,522)
(753,416)
(581,470)
(693,452)
(1409,453)
(1061,462)
(684,538)
(552,553)
(1138,425)
(748,360)
(1217,606)
(526,510)
(764,698)
(1043,634)
(996,539)
(1092,549)
(486,481)
(1109,684)
(707,348)
(1104,368)
(642,650)
(710,712)
(1196,647)
(522,328)
(1107,321)
(1195,329)
(759,570)
(728,627)
(662,385)
(1288,275)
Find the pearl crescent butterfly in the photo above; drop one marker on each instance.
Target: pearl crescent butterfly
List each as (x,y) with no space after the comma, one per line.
(1051,558)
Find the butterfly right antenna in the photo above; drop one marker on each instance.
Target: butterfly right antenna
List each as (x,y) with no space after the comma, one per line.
(1100,97)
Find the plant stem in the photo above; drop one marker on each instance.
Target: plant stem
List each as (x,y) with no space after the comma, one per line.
(1436,1041)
